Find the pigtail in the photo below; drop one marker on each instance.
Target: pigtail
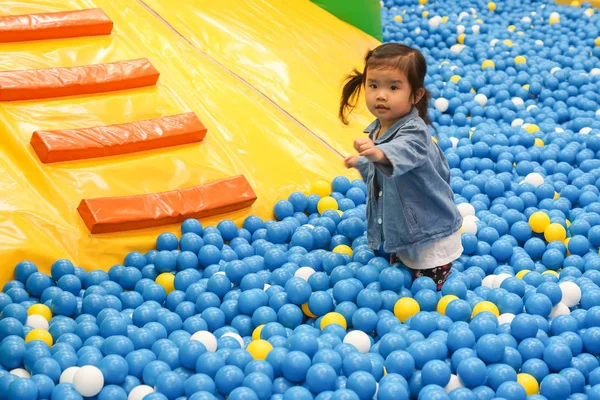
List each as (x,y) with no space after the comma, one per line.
(350,94)
(423,107)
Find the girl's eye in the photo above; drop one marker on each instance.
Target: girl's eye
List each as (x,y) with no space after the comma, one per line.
(394,88)
(372,86)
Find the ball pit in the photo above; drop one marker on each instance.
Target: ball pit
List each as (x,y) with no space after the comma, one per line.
(298,307)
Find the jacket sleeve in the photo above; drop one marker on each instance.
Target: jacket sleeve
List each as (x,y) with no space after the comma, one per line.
(405,153)
(362,164)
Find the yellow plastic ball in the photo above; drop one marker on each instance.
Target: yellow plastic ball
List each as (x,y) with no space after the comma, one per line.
(257,331)
(492,6)
(461,38)
(423,2)
(539,142)
(522,273)
(556,196)
(512,28)
(550,272)
(398,18)
(508,43)
(568,223)
(445,19)
(554,20)
(39,334)
(259,349)
(597,41)
(435,140)
(343,249)
(405,308)
(485,306)
(444,301)
(167,281)
(40,309)
(425,14)
(488,64)
(333,318)
(532,128)
(526,86)
(327,203)
(589,12)
(539,221)
(555,232)
(520,60)
(455,78)
(529,383)
(575,3)
(322,188)
(307,311)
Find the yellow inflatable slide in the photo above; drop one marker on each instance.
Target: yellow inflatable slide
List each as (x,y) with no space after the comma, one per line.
(118,119)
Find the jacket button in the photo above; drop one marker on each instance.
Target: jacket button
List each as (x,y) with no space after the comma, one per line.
(379,221)
(380,193)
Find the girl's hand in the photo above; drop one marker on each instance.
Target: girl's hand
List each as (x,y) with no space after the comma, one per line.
(351,161)
(366,148)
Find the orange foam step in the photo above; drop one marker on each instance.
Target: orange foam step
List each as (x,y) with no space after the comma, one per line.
(117,214)
(54,25)
(111,140)
(32,84)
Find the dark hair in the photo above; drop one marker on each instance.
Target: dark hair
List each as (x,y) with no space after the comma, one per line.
(389,55)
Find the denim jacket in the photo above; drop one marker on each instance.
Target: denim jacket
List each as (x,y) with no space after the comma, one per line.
(415,204)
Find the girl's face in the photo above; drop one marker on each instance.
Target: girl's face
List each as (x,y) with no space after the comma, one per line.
(388,95)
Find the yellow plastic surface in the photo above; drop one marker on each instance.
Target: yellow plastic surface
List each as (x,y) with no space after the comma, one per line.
(297,55)
(247,133)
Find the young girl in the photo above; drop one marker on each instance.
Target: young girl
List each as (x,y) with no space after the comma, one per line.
(410,206)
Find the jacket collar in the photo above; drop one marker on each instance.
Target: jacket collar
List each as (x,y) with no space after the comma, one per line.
(375,126)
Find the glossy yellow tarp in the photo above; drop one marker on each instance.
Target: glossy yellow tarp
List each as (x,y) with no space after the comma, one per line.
(275,127)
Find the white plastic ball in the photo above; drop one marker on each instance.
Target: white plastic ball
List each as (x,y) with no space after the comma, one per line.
(453,67)
(598,112)
(475,29)
(466,209)
(553,70)
(266,287)
(539,42)
(505,318)
(37,322)
(304,273)
(68,375)
(454,142)
(488,281)
(559,130)
(309,226)
(460,29)
(585,131)
(418,30)
(571,293)
(454,383)
(21,373)
(435,21)
(554,15)
(535,179)
(207,339)
(595,71)
(526,20)
(441,104)
(88,381)
(559,309)
(481,99)
(462,15)
(358,339)
(236,337)
(493,42)
(473,11)
(499,279)
(469,226)
(530,107)
(139,392)
(457,48)
(518,102)
(517,122)
(589,12)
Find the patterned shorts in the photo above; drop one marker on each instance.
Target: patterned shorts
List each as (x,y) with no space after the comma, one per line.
(438,274)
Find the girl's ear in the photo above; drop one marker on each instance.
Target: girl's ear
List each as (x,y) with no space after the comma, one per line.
(418,95)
